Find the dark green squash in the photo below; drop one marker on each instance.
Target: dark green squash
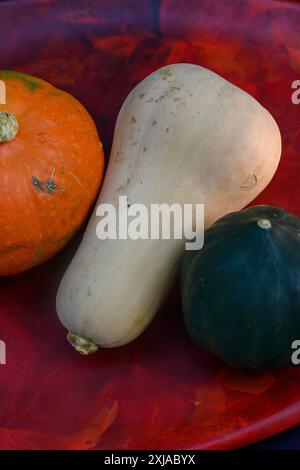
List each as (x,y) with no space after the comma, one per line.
(241,291)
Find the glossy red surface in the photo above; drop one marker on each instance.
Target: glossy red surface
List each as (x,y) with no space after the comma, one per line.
(160,391)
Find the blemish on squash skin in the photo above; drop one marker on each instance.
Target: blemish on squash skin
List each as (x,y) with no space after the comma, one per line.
(163,96)
(250,182)
(49,186)
(31,83)
(37,183)
(166,74)
(9,249)
(124,186)
(133,120)
(117,159)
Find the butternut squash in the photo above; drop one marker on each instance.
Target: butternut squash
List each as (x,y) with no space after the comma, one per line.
(184,135)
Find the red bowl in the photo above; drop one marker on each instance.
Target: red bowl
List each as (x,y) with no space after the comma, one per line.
(160,391)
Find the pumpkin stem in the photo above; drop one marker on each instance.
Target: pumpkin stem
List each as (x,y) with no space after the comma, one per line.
(82,345)
(8,127)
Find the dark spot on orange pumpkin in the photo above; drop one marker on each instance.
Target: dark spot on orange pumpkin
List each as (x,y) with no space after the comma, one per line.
(12,248)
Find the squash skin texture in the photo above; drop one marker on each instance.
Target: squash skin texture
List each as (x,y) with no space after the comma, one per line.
(241,292)
(183,135)
(50,172)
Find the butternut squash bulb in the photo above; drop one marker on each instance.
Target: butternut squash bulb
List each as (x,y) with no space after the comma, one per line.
(183,135)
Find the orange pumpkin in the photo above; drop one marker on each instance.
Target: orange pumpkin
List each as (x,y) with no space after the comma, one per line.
(51,168)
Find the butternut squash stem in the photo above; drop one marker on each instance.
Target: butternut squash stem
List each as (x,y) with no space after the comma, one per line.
(82,345)
(9,127)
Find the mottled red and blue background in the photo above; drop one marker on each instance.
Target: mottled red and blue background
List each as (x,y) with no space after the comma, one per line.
(160,391)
